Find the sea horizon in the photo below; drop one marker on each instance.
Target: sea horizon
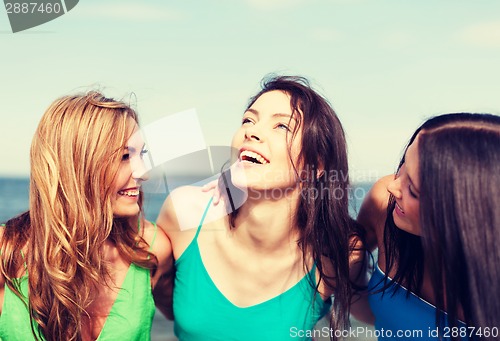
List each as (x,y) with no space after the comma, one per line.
(14,199)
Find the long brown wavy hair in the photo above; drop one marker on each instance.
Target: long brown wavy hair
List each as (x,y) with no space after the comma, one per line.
(75,155)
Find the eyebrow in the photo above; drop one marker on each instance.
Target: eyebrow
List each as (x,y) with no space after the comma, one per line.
(132,149)
(278,114)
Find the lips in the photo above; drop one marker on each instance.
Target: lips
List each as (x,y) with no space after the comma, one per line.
(398,209)
(129,192)
(252,157)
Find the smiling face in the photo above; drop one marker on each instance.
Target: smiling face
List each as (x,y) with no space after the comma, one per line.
(131,173)
(262,143)
(405,189)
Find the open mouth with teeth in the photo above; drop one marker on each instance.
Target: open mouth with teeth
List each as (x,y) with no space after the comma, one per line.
(400,209)
(129,192)
(253,157)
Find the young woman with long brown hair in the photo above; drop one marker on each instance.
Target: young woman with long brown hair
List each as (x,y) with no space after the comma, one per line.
(436,225)
(265,268)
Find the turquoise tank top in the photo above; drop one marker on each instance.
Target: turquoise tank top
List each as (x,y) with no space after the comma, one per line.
(398,317)
(203,313)
(130,318)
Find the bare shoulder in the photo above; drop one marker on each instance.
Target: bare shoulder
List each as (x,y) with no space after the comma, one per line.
(378,194)
(373,212)
(182,209)
(181,214)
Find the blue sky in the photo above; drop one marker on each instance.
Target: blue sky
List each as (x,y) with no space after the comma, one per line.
(384,65)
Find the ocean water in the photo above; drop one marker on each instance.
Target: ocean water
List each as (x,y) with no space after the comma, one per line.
(14,199)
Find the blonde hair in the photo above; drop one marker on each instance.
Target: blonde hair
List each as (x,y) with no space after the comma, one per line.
(75,154)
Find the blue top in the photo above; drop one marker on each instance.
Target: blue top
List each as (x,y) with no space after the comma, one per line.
(398,316)
(203,313)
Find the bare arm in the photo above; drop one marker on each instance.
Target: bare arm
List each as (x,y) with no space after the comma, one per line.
(168,226)
(371,217)
(163,290)
(163,279)
(359,276)
(373,212)
(177,222)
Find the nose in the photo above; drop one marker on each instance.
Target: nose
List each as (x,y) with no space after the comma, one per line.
(394,187)
(139,170)
(252,133)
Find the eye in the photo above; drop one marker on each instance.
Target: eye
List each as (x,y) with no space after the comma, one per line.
(412,193)
(283,126)
(126,157)
(246,120)
(144,152)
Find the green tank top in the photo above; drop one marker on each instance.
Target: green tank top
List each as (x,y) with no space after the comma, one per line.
(203,313)
(130,318)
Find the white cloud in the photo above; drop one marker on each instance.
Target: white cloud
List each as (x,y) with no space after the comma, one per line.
(483,35)
(133,11)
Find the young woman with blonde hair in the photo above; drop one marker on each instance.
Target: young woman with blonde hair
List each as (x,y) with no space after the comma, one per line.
(82,263)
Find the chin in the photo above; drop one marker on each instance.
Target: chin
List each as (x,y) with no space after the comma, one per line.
(407,228)
(239,183)
(238,177)
(126,212)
